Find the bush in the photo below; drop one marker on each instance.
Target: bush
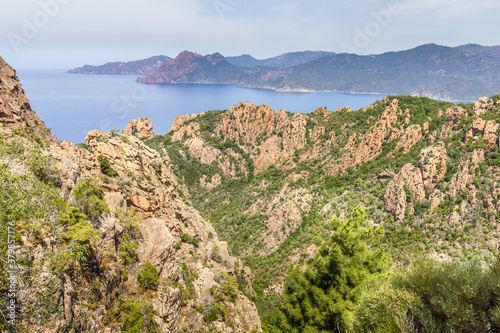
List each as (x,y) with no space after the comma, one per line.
(128,250)
(106,167)
(215,254)
(89,196)
(227,290)
(435,296)
(131,316)
(185,238)
(148,277)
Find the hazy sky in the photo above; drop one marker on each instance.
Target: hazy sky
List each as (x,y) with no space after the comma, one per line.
(70,33)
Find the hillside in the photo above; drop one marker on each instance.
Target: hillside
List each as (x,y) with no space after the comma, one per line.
(189,67)
(99,240)
(284,60)
(431,70)
(426,171)
(138,67)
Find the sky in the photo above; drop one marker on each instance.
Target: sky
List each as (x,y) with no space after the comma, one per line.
(71,33)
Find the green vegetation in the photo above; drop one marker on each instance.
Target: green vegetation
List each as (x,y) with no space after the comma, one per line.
(89,197)
(148,277)
(435,296)
(324,295)
(106,167)
(128,250)
(241,205)
(185,238)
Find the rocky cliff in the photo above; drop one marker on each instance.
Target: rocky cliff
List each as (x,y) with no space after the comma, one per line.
(140,128)
(106,244)
(15,108)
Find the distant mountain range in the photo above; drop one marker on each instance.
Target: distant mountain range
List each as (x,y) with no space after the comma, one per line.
(138,67)
(146,66)
(282,61)
(462,73)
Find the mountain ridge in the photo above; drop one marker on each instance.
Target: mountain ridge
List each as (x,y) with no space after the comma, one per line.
(137,67)
(428,70)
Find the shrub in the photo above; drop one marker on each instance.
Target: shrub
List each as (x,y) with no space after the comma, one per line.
(106,167)
(227,289)
(148,277)
(435,296)
(215,254)
(128,250)
(73,216)
(131,316)
(185,238)
(89,196)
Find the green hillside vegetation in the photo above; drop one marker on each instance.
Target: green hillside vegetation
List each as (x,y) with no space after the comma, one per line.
(423,231)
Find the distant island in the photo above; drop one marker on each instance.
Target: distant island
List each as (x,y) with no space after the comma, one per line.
(458,74)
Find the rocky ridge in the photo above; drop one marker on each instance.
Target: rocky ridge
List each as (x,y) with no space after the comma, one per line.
(15,108)
(456,74)
(140,128)
(418,166)
(143,221)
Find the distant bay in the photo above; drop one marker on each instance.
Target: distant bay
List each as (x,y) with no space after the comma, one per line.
(73,104)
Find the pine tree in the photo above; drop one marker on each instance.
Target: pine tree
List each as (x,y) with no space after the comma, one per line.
(322,297)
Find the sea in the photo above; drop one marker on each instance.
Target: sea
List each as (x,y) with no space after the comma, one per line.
(73,104)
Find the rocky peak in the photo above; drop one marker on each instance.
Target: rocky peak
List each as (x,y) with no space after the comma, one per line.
(15,108)
(140,127)
(190,67)
(481,106)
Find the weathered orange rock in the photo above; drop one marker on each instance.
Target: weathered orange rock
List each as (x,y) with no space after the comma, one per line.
(395,197)
(140,127)
(15,108)
(456,114)
(411,136)
(432,162)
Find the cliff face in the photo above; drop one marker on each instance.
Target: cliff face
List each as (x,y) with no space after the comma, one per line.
(140,259)
(15,108)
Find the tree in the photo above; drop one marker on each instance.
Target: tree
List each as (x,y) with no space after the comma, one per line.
(322,297)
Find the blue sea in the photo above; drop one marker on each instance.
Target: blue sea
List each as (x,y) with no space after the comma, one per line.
(73,104)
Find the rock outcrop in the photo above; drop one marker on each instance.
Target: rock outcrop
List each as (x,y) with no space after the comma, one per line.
(15,108)
(146,185)
(432,161)
(395,198)
(140,128)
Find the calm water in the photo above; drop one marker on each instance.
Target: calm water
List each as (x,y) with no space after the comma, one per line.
(73,104)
